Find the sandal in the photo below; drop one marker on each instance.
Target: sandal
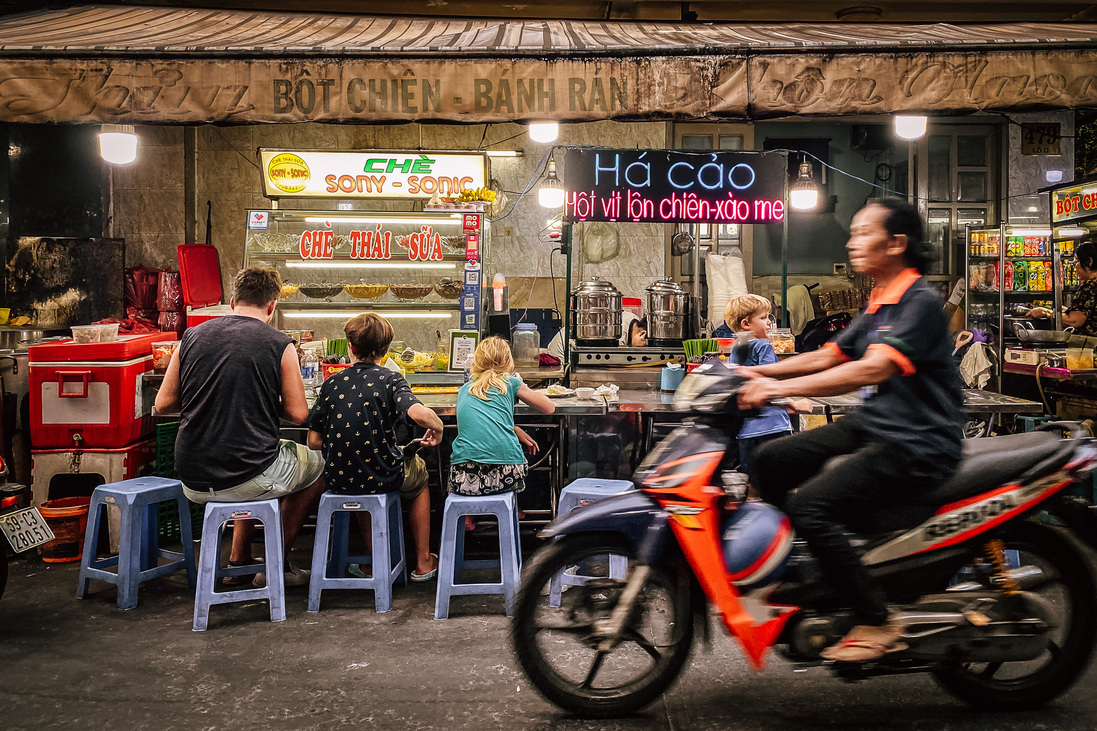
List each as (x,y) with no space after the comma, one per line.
(420,578)
(866,643)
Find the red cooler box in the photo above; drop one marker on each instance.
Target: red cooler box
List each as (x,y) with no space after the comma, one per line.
(200,275)
(94,390)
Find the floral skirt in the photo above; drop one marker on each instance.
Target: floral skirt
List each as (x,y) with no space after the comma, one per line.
(476,478)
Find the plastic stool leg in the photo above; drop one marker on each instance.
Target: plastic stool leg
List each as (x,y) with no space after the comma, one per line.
(382,560)
(276,580)
(508,556)
(207,571)
(321,567)
(91,540)
(131,554)
(452,534)
(186,537)
(396,518)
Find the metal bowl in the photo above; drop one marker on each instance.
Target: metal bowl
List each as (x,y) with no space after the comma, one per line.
(321,291)
(366,291)
(411,292)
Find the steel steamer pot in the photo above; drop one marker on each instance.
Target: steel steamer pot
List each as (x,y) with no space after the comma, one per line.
(596,313)
(668,313)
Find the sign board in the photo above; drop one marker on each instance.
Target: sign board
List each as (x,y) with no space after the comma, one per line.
(1074,203)
(369,173)
(674,186)
(1040,139)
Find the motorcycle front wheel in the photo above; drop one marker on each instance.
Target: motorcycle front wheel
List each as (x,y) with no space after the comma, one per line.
(565,652)
(1067,587)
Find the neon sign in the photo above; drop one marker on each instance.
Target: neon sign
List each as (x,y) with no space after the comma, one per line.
(422,245)
(669,186)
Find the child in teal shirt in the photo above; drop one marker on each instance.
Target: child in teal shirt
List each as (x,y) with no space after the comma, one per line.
(487,456)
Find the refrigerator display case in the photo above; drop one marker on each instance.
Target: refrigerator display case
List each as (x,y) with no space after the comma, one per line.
(1010,269)
(1073,217)
(418,269)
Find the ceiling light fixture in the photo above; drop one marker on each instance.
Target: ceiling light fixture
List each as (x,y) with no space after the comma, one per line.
(910,126)
(118,143)
(544,132)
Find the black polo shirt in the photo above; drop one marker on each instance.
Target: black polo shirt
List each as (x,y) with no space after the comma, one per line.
(921,408)
(356,415)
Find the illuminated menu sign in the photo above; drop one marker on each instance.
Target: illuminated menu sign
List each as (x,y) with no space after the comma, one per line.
(1076,203)
(669,186)
(422,245)
(370,174)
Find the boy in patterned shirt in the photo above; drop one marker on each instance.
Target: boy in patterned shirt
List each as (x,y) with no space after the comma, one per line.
(353,424)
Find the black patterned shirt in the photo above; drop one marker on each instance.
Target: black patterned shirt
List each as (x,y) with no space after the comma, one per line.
(356,415)
(1085,301)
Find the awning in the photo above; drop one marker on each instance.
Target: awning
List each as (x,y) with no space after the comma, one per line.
(143,65)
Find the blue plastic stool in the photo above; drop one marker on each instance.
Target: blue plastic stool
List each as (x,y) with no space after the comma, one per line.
(452,560)
(209,564)
(585,491)
(139,553)
(333,531)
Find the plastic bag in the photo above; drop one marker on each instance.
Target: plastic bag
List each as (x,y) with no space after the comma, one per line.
(170,293)
(727,277)
(172,322)
(141,286)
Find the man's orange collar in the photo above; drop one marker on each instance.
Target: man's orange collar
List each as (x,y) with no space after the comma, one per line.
(894,291)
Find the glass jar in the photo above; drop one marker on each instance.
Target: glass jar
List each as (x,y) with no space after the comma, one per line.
(782,340)
(526,345)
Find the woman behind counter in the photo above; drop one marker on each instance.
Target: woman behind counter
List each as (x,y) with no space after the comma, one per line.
(1082,312)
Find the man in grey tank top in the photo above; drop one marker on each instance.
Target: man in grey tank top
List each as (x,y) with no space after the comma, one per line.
(232,379)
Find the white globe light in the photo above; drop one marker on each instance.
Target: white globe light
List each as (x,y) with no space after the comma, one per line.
(910,126)
(551,196)
(544,131)
(118,144)
(804,200)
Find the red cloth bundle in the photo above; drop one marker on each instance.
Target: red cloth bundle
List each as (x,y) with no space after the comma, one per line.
(141,286)
(172,322)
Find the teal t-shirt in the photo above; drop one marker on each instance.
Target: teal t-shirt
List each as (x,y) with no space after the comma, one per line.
(485,429)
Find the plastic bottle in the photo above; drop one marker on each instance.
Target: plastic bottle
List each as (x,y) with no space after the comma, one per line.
(310,367)
(499,302)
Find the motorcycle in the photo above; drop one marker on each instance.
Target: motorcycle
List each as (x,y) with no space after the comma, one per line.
(22,526)
(993,592)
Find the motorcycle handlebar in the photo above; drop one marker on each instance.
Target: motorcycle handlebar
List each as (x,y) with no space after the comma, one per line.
(1076,430)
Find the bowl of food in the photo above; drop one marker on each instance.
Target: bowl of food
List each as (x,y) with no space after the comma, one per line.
(161,354)
(411,292)
(366,291)
(321,291)
(450,289)
(288,290)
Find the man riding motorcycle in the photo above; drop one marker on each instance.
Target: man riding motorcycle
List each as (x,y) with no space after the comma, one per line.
(905,439)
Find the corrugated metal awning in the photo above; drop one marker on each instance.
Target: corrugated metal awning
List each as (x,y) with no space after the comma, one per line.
(188,31)
(145,65)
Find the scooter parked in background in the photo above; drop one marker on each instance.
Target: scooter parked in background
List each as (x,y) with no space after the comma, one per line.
(23,526)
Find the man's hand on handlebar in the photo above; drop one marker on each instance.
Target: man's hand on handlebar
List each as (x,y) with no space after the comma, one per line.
(757,391)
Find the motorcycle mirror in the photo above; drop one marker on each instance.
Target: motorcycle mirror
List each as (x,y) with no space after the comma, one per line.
(742,345)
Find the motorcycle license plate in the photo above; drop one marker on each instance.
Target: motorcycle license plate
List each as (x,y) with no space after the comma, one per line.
(25,529)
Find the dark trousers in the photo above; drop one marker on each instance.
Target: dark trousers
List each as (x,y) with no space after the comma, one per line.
(748,446)
(823,496)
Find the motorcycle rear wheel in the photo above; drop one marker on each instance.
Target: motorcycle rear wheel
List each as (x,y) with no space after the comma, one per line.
(1069,586)
(557,647)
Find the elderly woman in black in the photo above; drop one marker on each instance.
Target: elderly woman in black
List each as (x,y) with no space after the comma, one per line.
(1082,312)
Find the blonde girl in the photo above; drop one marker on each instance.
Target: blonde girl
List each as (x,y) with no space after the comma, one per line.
(487,456)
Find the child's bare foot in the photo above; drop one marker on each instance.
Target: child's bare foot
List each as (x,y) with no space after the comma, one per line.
(470,523)
(521,515)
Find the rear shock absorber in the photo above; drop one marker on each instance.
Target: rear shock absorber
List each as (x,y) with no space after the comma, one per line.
(994,552)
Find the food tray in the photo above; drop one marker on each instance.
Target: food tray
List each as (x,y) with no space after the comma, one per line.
(366,291)
(411,291)
(450,289)
(321,291)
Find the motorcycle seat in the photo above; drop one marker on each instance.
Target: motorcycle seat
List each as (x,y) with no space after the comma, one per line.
(989,462)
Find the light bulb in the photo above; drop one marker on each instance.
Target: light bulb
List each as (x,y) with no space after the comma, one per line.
(910,126)
(544,131)
(803,194)
(551,193)
(118,143)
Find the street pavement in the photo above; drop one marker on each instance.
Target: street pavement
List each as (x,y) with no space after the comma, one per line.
(68,663)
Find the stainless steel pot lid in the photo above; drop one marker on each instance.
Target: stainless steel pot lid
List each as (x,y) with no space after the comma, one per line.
(596,285)
(666,286)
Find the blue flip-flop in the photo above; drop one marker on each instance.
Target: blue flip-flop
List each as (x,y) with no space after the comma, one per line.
(420,578)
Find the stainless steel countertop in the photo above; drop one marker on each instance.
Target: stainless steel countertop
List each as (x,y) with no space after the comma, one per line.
(975,402)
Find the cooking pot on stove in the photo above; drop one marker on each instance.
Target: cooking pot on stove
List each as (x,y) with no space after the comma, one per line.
(1027,334)
(668,313)
(596,313)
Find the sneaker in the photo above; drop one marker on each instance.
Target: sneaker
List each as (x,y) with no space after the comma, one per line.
(293,576)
